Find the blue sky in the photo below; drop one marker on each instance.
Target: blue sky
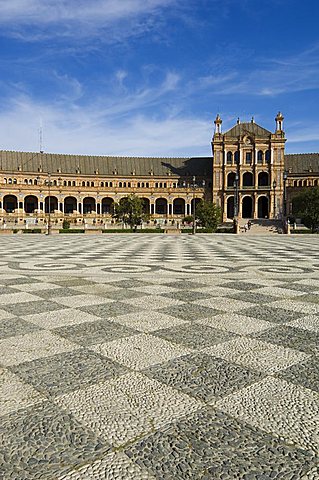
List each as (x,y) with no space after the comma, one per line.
(147,77)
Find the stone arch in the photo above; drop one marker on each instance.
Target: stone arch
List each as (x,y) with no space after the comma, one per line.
(247,206)
(263,179)
(107,205)
(179,206)
(248,179)
(53,204)
(10,203)
(31,203)
(230,207)
(161,206)
(70,205)
(263,207)
(89,205)
(231,177)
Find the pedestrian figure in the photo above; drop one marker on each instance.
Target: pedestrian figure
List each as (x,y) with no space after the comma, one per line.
(245,227)
(249,224)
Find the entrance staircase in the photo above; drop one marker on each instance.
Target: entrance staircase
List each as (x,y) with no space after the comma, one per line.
(261,227)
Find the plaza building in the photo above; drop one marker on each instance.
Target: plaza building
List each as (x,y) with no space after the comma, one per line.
(248,176)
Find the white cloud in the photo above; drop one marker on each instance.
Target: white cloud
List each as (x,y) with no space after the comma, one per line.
(88,131)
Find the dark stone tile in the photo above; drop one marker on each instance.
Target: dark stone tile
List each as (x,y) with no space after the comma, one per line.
(298,287)
(58,292)
(186,295)
(291,337)
(185,285)
(74,282)
(190,312)
(242,286)
(203,376)
(211,445)
(305,373)
(271,314)
(254,297)
(29,308)
(5,290)
(109,310)
(194,335)
(65,372)
(310,297)
(91,333)
(43,442)
(17,281)
(11,327)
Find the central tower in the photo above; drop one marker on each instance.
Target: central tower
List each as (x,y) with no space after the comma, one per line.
(248,166)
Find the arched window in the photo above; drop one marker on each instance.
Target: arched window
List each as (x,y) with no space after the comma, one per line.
(54,183)
(5,180)
(10,181)
(30,181)
(25,181)
(69,183)
(260,157)
(111,184)
(83,184)
(248,158)
(124,184)
(129,184)
(156,185)
(138,185)
(64,183)
(300,183)
(120,184)
(295,183)
(315,183)
(237,157)
(102,184)
(15,181)
(87,184)
(73,183)
(35,182)
(231,177)
(147,185)
(229,158)
(92,184)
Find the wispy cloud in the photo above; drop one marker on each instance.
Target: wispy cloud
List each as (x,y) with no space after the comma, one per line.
(37,19)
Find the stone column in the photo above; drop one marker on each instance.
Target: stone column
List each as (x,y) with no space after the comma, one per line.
(255,206)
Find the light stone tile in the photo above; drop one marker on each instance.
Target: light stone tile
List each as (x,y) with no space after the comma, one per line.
(154,289)
(275,405)
(224,304)
(96,289)
(218,291)
(124,408)
(257,355)
(81,300)
(140,351)
(240,324)
(13,298)
(280,292)
(310,322)
(152,302)
(296,306)
(60,318)
(148,320)
(34,287)
(5,315)
(116,465)
(15,394)
(24,348)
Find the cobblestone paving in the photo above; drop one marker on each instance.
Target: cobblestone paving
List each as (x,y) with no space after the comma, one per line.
(151,357)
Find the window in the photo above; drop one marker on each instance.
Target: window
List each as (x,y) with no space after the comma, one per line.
(267,156)
(92,184)
(229,158)
(138,185)
(83,184)
(120,184)
(147,185)
(260,157)
(237,157)
(64,183)
(69,183)
(73,183)
(111,184)
(248,158)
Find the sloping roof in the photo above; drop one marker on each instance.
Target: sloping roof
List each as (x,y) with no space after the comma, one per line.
(91,165)
(247,127)
(302,162)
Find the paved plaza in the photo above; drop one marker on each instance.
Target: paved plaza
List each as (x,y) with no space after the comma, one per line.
(159,357)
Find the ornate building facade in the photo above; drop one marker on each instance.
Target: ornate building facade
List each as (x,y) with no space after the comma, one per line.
(248,176)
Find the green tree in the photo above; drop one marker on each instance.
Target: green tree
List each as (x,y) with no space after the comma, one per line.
(129,210)
(306,206)
(208,214)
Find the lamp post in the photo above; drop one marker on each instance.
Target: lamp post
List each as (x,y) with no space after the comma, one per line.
(48,183)
(236,196)
(274,185)
(194,186)
(285,194)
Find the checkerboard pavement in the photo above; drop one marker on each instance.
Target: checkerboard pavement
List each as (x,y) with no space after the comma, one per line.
(159,357)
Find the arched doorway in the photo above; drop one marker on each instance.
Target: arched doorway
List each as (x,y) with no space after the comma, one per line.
(230,207)
(179,206)
(247,207)
(146,206)
(53,204)
(10,203)
(263,179)
(248,179)
(69,205)
(161,206)
(88,205)
(231,177)
(263,207)
(107,206)
(30,204)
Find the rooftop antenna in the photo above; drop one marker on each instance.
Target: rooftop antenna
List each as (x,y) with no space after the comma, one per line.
(41,136)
